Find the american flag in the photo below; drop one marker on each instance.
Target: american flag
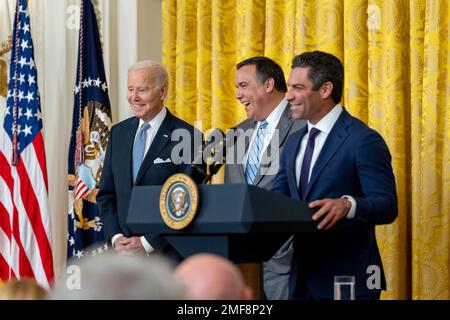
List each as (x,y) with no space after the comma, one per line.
(90,132)
(24,214)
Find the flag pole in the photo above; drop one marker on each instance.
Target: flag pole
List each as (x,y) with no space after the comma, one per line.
(15,144)
(79,145)
(79,152)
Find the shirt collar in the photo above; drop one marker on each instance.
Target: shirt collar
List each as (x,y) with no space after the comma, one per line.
(156,122)
(275,115)
(326,123)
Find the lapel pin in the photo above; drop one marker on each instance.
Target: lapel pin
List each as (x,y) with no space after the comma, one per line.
(165,136)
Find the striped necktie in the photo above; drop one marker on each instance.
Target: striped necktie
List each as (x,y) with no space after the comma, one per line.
(255,153)
(139,148)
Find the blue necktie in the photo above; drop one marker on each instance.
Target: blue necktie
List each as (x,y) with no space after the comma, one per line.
(139,148)
(306,165)
(255,152)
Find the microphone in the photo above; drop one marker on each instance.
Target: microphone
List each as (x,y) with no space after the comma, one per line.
(215,147)
(198,163)
(212,154)
(218,151)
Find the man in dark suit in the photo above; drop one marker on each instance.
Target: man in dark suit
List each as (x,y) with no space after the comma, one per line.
(261,87)
(139,153)
(343,169)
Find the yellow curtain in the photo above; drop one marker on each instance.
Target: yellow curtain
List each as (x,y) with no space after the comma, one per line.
(397,58)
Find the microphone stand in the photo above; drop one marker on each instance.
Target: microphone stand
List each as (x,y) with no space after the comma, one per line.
(217,155)
(212,169)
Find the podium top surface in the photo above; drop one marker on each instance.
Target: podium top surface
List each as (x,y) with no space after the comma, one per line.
(225,209)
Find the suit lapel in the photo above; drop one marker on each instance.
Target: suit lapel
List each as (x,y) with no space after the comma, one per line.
(291,163)
(283,127)
(335,139)
(161,139)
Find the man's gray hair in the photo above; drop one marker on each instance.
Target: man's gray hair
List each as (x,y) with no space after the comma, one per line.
(112,276)
(160,72)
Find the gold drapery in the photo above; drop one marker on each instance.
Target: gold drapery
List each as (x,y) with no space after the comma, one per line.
(397,59)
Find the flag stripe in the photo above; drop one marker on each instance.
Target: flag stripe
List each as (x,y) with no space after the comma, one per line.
(18,252)
(4,267)
(28,245)
(34,224)
(40,155)
(5,171)
(6,206)
(5,222)
(35,175)
(6,255)
(14,253)
(81,189)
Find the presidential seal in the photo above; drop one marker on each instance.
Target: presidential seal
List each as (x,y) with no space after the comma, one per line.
(178,201)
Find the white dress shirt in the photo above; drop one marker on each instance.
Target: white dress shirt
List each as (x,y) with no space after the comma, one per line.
(272,122)
(155,123)
(324,125)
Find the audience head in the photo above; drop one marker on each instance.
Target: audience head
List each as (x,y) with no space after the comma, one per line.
(22,289)
(112,276)
(211,277)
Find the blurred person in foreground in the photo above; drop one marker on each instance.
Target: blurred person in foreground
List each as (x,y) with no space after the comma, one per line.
(22,289)
(211,277)
(112,276)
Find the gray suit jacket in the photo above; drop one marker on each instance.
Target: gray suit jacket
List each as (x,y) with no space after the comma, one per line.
(276,270)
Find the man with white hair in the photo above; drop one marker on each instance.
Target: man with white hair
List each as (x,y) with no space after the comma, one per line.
(133,278)
(139,153)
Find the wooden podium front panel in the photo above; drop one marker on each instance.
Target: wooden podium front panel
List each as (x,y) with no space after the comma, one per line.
(253,277)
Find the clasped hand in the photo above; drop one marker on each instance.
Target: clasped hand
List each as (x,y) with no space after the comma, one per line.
(132,245)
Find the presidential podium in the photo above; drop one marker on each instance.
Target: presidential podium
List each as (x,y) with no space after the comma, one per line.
(243,223)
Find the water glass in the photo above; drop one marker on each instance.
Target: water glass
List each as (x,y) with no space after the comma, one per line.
(344,288)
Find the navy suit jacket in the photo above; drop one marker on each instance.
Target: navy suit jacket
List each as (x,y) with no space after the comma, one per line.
(116,182)
(354,161)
